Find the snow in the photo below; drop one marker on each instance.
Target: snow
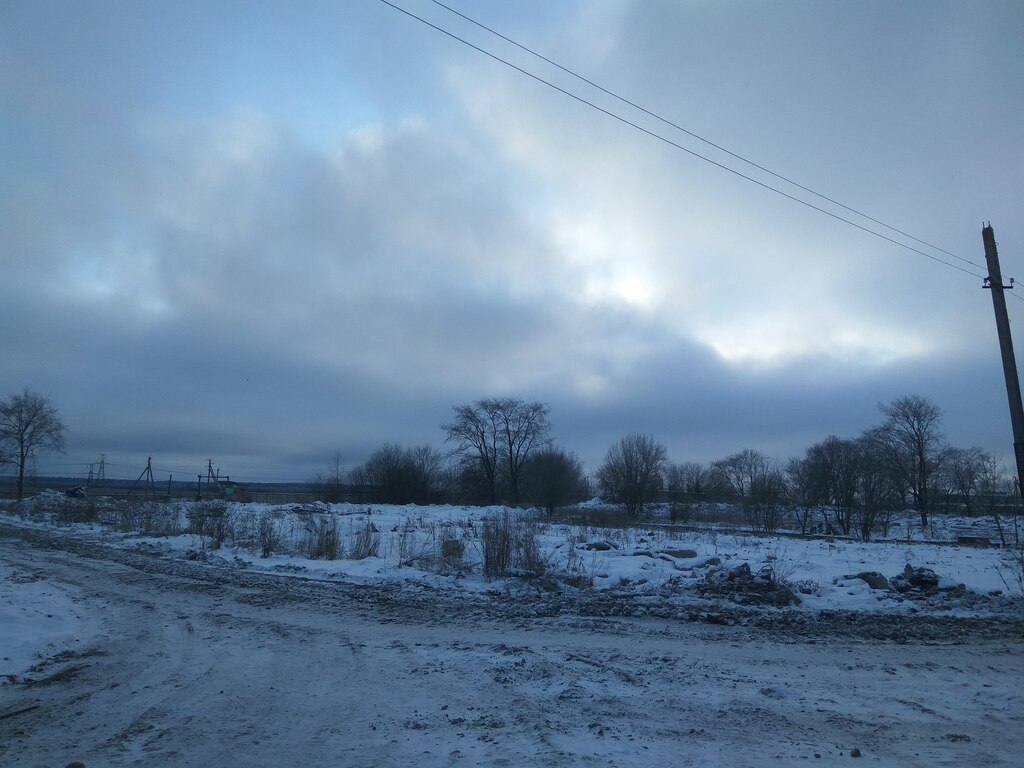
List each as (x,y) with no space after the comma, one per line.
(37,619)
(188,654)
(637,559)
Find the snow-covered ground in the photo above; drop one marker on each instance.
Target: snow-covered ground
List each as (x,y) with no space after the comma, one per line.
(387,543)
(600,645)
(37,620)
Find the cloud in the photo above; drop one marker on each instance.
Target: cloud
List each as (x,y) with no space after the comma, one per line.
(720,253)
(328,245)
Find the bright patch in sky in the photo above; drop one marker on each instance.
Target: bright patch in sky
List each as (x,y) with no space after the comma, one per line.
(122,275)
(782,342)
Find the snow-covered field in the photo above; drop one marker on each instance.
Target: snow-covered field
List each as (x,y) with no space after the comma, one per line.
(371,635)
(443,546)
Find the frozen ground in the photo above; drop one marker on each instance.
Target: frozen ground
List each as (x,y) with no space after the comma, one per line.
(121,650)
(656,560)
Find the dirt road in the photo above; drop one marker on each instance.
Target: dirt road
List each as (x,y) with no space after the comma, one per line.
(201,666)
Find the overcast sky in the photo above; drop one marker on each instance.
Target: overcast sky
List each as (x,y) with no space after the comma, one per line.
(264,232)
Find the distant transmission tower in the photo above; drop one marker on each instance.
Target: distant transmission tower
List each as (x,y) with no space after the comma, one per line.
(212,478)
(97,477)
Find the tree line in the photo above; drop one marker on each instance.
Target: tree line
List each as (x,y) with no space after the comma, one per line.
(501,451)
(850,485)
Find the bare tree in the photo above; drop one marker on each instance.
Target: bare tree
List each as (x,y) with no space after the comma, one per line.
(29,422)
(428,465)
(387,473)
(631,472)
(524,429)
(914,444)
(965,470)
(833,467)
(741,470)
(844,480)
(767,500)
(690,479)
(475,431)
(553,478)
(851,479)
(402,475)
(803,490)
(499,433)
(329,485)
(880,490)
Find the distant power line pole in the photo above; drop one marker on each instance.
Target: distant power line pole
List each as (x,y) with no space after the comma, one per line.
(147,473)
(994,281)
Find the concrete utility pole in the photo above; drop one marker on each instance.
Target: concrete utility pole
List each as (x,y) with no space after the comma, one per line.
(995,282)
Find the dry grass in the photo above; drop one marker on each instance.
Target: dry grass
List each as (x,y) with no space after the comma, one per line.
(496,543)
(209,520)
(365,543)
(511,547)
(323,542)
(269,535)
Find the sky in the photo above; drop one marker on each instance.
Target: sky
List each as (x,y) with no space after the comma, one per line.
(264,233)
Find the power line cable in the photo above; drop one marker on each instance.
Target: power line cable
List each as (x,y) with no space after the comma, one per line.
(678,146)
(700,138)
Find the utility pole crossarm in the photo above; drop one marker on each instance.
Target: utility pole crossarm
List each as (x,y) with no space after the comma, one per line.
(987,283)
(995,283)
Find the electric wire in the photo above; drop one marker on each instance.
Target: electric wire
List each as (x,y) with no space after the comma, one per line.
(121,472)
(678,146)
(700,138)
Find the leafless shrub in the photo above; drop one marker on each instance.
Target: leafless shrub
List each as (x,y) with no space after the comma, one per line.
(1011,565)
(679,512)
(323,540)
(209,520)
(127,515)
(57,507)
(162,519)
(365,543)
(69,511)
(511,547)
(1011,569)
(581,569)
(1009,534)
(155,518)
(452,551)
(526,549)
(414,549)
(269,535)
(611,516)
(496,541)
(778,566)
(433,545)
(579,580)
